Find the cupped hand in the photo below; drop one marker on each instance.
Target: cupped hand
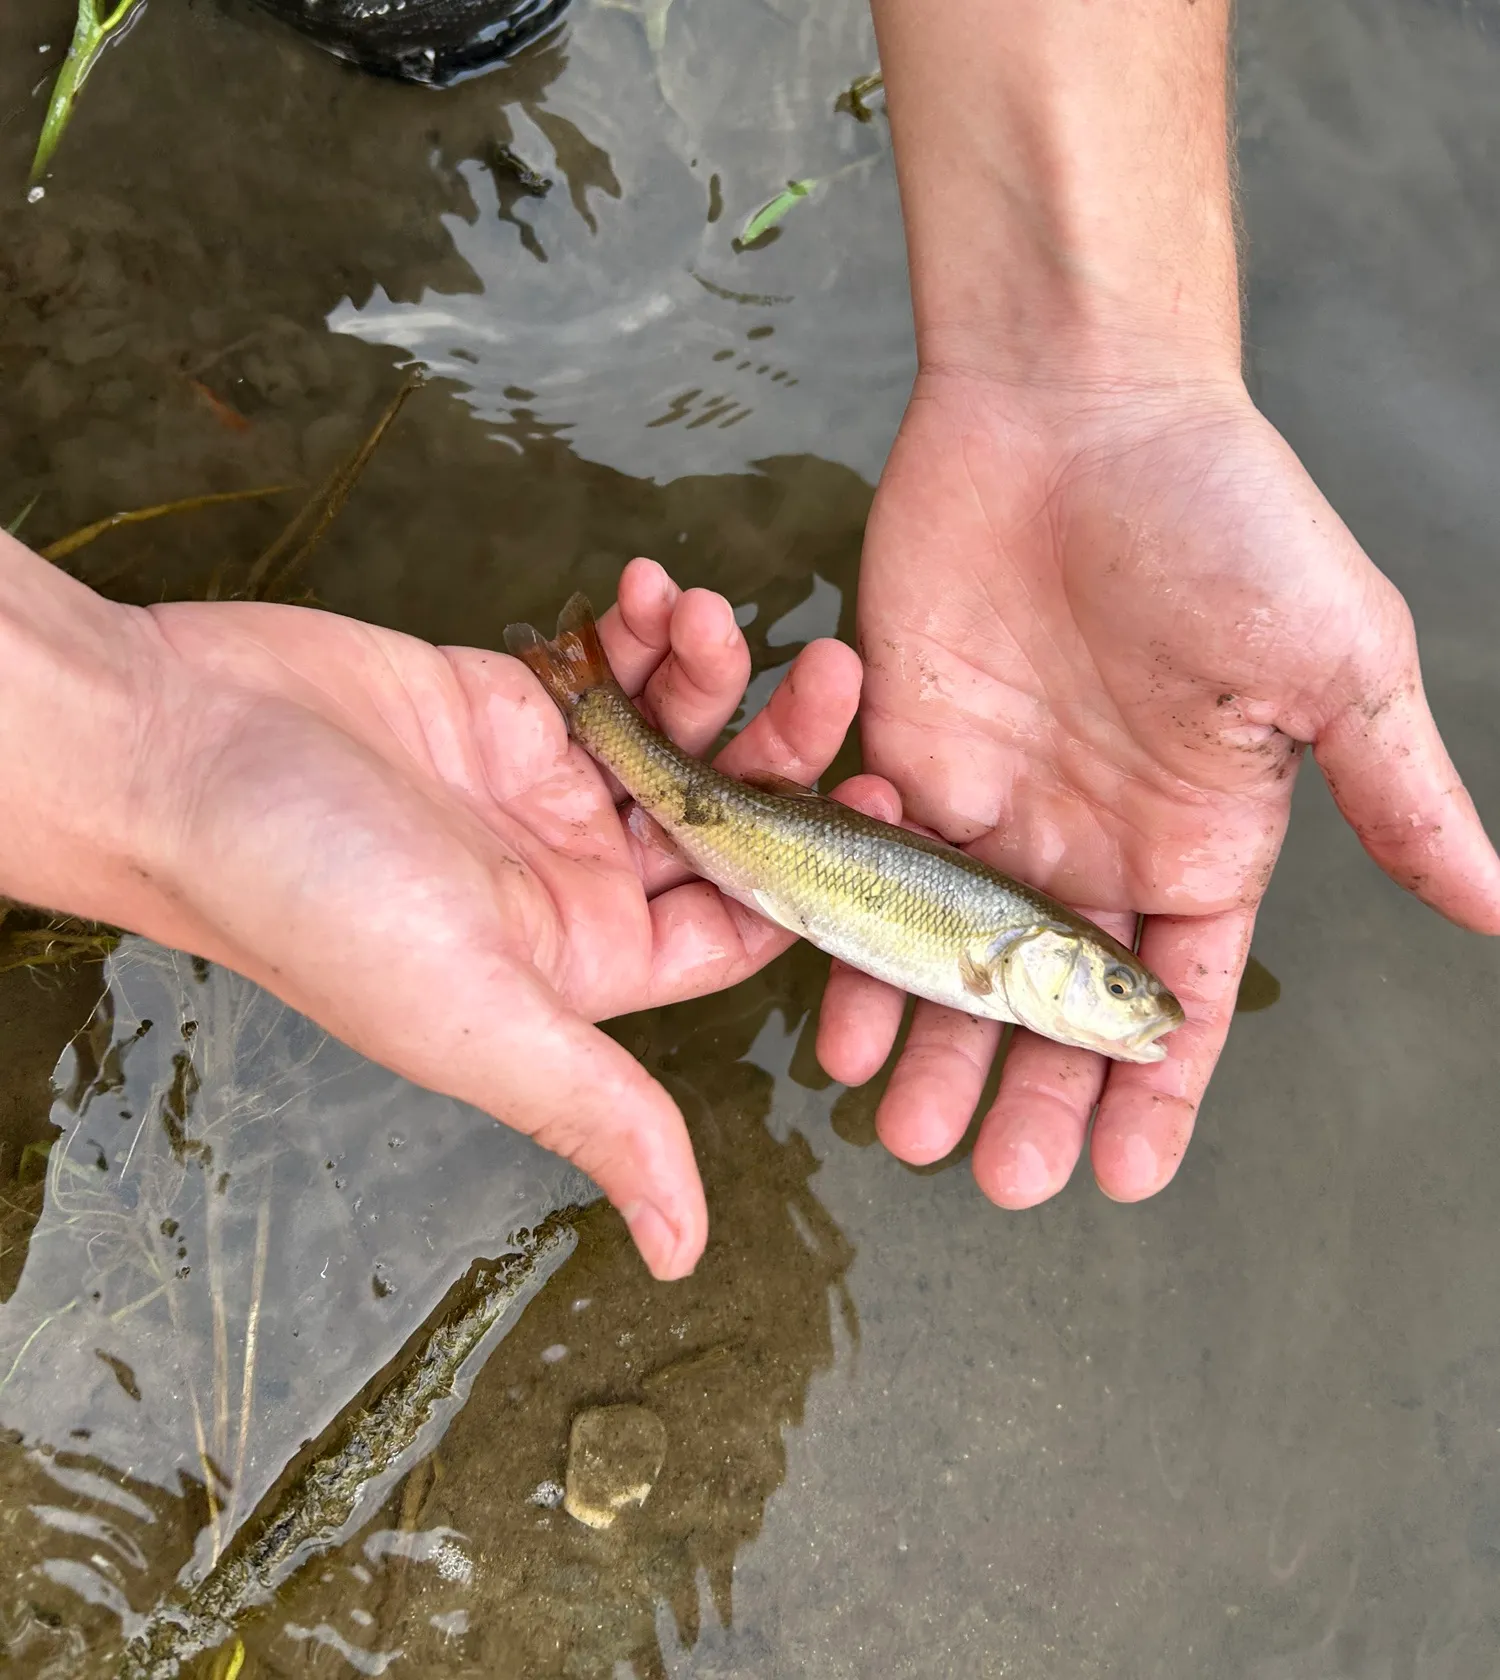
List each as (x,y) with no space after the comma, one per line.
(1099,630)
(401,842)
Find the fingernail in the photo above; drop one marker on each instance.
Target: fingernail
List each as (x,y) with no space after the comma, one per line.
(1030,1176)
(1137,1169)
(656,1238)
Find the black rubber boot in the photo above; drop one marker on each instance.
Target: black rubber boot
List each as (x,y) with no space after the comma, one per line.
(436,42)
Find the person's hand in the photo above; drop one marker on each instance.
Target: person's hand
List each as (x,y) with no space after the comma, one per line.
(1098,631)
(401,842)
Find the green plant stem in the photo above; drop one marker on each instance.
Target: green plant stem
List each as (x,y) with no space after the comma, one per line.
(90,34)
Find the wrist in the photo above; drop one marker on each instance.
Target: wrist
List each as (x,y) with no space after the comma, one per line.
(76,674)
(1066,185)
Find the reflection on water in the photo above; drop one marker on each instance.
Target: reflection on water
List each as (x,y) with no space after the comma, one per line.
(638,331)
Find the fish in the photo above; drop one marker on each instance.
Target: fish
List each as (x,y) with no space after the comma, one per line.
(907,909)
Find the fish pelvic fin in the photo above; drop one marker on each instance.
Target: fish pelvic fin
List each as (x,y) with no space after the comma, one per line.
(572,663)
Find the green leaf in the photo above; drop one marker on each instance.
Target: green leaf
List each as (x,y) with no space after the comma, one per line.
(90,34)
(770,215)
(14,528)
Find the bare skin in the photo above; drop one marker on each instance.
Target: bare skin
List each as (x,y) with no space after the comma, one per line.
(1103,607)
(400,841)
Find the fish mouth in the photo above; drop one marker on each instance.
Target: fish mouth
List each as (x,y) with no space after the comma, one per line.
(1143,1046)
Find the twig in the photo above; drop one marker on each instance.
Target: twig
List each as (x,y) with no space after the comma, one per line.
(64,546)
(271,572)
(252,1336)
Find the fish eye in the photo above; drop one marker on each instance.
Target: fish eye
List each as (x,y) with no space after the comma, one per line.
(1119,982)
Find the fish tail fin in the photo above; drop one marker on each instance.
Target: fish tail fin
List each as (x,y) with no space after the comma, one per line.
(572,663)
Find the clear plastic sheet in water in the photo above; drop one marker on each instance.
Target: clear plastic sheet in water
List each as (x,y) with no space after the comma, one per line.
(244,1222)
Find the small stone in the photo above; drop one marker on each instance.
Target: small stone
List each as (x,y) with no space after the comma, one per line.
(615,1454)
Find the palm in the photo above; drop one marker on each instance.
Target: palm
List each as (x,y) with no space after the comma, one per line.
(1096,662)
(400,841)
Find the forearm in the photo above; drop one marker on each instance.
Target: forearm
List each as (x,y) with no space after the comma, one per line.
(1066,184)
(71,680)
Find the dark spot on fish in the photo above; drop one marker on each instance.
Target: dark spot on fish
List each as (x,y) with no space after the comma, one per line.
(763,331)
(715,198)
(1223,699)
(1259,989)
(700,810)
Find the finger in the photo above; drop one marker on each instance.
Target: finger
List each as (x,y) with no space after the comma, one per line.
(796,735)
(583,1096)
(693,692)
(1387,767)
(936,1084)
(1147,1111)
(1035,1129)
(703,942)
(860,1015)
(800,729)
(1033,1134)
(636,631)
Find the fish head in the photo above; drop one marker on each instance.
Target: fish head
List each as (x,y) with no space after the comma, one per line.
(1085,990)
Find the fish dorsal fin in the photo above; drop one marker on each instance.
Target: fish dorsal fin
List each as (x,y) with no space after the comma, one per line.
(767,782)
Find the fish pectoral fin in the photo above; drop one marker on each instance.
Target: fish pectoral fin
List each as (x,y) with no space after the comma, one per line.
(978,981)
(768,782)
(773,912)
(650,834)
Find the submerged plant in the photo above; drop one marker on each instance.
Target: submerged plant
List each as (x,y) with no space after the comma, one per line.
(852,101)
(271,573)
(765,224)
(370,1445)
(274,569)
(54,943)
(91,34)
(771,213)
(70,544)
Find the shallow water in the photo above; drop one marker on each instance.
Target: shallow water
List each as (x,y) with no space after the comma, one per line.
(1251,1428)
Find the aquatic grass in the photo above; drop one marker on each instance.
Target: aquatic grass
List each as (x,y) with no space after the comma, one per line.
(14,528)
(70,544)
(91,34)
(372,1442)
(852,101)
(763,222)
(276,566)
(61,941)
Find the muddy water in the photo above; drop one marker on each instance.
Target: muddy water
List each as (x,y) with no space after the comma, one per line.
(1249,1429)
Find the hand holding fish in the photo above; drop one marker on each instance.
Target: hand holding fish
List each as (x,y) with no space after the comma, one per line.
(1098,636)
(400,841)
(1103,608)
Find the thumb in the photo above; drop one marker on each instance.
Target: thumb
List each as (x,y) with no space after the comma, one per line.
(1388,770)
(534,1064)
